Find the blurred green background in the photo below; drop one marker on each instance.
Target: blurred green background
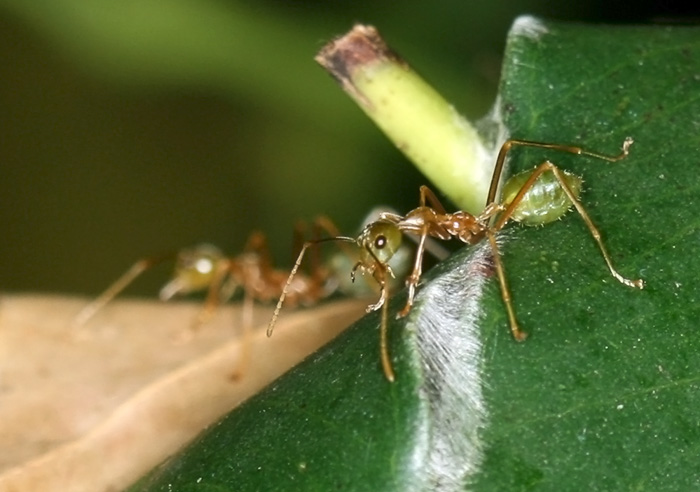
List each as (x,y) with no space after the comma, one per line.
(135,127)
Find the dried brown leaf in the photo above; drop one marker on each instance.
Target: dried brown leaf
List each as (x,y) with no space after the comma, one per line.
(94,408)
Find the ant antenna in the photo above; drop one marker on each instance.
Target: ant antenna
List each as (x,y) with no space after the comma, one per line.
(117,286)
(297,264)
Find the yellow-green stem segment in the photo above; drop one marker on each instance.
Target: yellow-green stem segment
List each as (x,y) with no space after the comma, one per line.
(425,127)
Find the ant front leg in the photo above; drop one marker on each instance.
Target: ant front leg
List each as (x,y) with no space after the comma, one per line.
(429,208)
(384,343)
(414,277)
(379,274)
(379,271)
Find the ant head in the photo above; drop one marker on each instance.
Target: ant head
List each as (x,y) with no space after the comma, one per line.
(195,269)
(379,241)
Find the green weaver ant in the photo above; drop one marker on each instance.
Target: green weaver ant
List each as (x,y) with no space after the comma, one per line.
(534,197)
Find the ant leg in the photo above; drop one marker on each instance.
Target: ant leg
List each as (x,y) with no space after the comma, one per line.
(384,343)
(414,277)
(427,197)
(637,283)
(214,295)
(119,285)
(245,352)
(257,262)
(548,166)
(383,302)
(257,244)
(518,334)
(323,224)
(391,217)
(509,144)
(318,274)
(379,276)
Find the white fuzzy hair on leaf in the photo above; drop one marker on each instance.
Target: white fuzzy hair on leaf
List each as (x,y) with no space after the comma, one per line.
(528,26)
(447,351)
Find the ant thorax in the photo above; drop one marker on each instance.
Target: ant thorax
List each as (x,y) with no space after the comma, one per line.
(426,221)
(465,227)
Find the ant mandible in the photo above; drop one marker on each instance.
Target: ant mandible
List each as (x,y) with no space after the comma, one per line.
(535,197)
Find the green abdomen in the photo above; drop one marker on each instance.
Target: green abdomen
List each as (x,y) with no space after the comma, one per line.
(545,201)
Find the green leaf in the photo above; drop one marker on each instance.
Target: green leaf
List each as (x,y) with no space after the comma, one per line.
(604,393)
(334,422)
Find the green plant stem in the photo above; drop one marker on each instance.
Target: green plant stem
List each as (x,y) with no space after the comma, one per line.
(423,125)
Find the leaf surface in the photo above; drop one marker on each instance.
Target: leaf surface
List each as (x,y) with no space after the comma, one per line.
(604,393)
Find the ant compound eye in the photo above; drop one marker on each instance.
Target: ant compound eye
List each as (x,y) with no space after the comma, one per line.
(379,242)
(381,239)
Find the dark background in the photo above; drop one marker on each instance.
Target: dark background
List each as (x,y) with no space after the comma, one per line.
(128,129)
